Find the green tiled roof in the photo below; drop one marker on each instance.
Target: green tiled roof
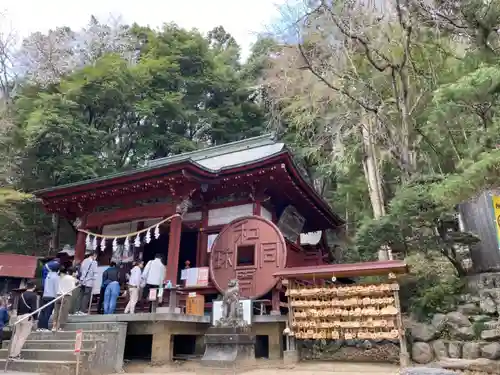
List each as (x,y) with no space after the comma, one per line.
(212,159)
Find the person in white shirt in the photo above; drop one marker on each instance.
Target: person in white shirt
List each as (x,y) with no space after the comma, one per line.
(88,272)
(50,288)
(134,286)
(62,306)
(153,276)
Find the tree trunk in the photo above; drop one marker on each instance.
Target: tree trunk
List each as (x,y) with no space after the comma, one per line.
(372,175)
(54,235)
(371,170)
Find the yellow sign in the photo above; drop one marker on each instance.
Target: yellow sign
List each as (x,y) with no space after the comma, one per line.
(496,212)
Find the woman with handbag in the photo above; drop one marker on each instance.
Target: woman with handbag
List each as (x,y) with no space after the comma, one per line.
(28,303)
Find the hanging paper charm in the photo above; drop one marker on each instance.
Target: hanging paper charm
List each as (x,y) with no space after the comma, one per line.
(94,243)
(157,232)
(126,244)
(115,245)
(137,241)
(103,244)
(148,236)
(88,242)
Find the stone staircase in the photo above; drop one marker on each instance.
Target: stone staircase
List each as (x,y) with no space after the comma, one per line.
(53,352)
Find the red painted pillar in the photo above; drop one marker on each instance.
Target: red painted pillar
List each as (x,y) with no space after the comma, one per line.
(80,243)
(257,208)
(203,259)
(275,301)
(80,247)
(174,242)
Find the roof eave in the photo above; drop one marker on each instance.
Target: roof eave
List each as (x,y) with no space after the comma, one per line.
(312,192)
(150,168)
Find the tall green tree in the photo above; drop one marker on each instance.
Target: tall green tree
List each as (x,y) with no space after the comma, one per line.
(134,94)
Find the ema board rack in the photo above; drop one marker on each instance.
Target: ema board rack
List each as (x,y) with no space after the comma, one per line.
(367,312)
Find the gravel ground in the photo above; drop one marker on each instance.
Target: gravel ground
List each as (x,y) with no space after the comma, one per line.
(333,368)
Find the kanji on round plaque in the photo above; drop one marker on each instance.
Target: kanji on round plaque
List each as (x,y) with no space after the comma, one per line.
(249,249)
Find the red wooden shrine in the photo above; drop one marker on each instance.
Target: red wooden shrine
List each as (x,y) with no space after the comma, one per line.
(240,192)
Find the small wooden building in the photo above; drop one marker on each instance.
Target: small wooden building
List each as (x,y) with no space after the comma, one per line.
(247,212)
(15,270)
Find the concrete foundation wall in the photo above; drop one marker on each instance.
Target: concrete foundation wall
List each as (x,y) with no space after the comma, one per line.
(163,328)
(163,333)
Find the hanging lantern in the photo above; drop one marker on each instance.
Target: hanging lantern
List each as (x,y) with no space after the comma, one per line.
(103,244)
(126,244)
(157,232)
(88,242)
(94,243)
(148,236)
(115,245)
(137,241)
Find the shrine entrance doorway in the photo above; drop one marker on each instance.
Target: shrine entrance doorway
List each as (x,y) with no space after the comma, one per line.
(156,246)
(187,250)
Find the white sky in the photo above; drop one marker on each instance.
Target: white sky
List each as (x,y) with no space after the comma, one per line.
(242,18)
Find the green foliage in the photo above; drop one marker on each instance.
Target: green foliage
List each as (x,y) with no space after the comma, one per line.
(435,296)
(180,91)
(475,177)
(406,117)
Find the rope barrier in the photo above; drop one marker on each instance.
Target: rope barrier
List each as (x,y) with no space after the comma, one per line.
(132,234)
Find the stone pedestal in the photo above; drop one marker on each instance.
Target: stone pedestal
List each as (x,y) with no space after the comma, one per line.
(229,348)
(290,357)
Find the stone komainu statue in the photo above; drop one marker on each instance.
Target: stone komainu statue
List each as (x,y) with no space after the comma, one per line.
(232,312)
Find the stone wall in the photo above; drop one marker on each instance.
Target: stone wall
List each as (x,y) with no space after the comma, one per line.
(471,332)
(349,350)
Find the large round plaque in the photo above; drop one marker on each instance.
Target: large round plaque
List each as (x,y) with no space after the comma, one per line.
(249,249)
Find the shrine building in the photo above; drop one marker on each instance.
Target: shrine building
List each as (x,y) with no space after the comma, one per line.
(242,210)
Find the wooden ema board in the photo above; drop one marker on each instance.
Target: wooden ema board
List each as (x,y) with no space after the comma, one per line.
(195,305)
(365,312)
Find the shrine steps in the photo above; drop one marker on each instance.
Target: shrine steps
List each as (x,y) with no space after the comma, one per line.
(49,355)
(39,367)
(102,350)
(52,344)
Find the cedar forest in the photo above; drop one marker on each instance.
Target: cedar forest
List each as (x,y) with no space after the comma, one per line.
(391,107)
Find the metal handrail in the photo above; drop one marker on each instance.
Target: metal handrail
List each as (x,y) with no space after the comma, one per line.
(43,307)
(13,325)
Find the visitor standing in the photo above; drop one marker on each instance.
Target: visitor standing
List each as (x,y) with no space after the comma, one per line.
(50,288)
(88,271)
(104,284)
(62,306)
(4,317)
(28,302)
(48,267)
(72,271)
(153,276)
(110,280)
(134,286)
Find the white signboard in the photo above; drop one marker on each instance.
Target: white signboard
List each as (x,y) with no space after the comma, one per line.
(246,304)
(224,215)
(265,213)
(96,288)
(210,242)
(197,276)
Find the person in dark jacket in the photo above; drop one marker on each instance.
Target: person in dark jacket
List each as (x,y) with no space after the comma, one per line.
(109,275)
(110,280)
(27,305)
(4,317)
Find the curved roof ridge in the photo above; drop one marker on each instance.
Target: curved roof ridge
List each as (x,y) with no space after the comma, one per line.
(219,150)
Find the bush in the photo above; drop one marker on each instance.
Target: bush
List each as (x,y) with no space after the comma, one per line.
(439,297)
(431,287)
